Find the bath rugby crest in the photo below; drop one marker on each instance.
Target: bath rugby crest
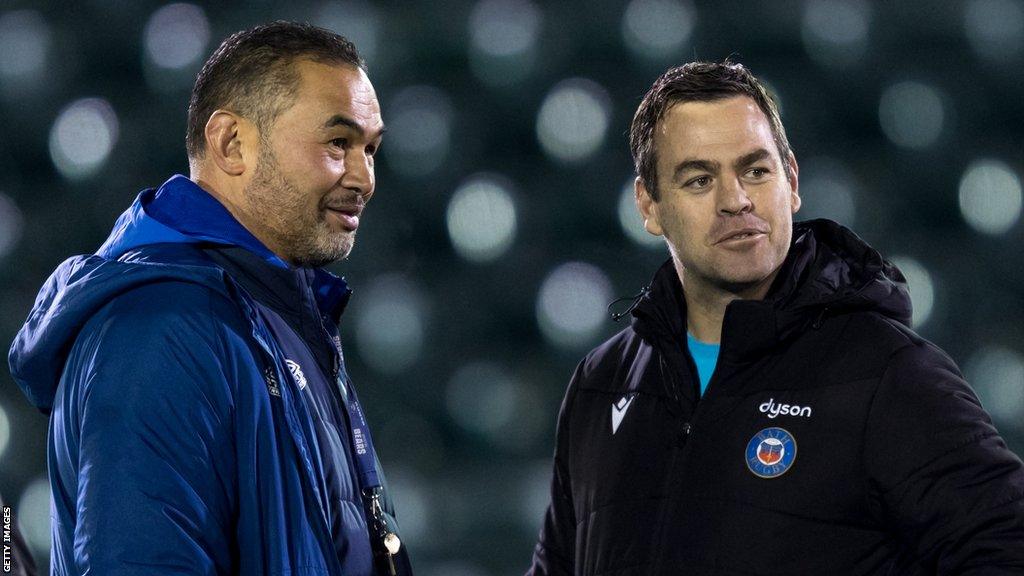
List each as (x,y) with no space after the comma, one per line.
(771,452)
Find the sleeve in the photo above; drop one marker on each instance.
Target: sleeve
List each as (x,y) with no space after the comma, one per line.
(156,484)
(945,480)
(555,551)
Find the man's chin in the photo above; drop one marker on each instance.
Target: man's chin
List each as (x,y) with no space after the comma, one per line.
(741,282)
(326,255)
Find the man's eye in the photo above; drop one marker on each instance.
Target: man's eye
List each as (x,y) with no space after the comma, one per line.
(371,150)
(758,172)
(340,142)
(699,182)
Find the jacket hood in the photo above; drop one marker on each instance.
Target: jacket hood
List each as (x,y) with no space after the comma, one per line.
(176,216)
(832,270)
(829,270)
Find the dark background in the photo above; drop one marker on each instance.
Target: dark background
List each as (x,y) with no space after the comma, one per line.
(497,234)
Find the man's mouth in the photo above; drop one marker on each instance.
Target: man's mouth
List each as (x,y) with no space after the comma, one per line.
(737,235)
(346,216)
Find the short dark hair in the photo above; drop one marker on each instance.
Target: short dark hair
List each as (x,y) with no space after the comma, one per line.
(697,82)
(250,73)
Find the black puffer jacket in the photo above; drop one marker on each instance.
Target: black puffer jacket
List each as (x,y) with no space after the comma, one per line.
(832,439)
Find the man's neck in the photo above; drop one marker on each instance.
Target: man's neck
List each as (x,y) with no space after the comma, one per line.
(706,303)
(232,198)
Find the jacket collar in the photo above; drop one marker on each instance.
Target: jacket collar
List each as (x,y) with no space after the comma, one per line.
(180,211)
(828,270)
(283,289)
(749,326)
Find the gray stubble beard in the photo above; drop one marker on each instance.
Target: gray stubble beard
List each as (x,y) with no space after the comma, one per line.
(276,205)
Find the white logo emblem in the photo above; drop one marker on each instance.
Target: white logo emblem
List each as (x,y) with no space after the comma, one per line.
(772,409)
(619,410)
(297,374)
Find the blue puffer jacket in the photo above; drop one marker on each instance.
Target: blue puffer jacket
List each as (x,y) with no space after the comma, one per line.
(179,443)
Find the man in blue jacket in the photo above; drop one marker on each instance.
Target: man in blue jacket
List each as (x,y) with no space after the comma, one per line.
(202,420)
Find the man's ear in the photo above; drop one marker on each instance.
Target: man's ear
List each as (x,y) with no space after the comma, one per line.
(648,207)
(224,142)
(794,181)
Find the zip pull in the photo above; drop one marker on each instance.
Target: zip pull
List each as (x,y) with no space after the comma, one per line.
(391,546)
(389,558)
(616,316)
(386,537)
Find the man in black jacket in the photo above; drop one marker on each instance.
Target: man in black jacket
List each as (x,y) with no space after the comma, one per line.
(768,410)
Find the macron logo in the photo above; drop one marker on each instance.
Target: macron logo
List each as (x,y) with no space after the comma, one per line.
(772,409)
(619,410)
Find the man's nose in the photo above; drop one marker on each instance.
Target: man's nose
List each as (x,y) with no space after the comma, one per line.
(732,197)
(358,173)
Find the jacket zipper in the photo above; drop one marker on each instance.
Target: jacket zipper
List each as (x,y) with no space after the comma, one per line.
(265,339)
(680,455)
(341,379)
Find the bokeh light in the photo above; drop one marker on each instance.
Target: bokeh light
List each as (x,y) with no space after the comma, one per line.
(911,114)
(25,40)
(390,324)
(503,38)
(482,397)
(573,120)
(176,35)
(922,288)
(658,29)
(412,504)
(529,422)
(419,130)
(11,222)
(535,492)
(357,20)
(997,375)
(995,28)
(33,514)
(990,196)
(572,304)
(827,190)
(482,218)
(504,27)
(835,32)
(82,137)
(631,221)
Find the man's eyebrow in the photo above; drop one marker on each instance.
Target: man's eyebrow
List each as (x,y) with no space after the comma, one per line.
(748,159)
(695,164)
(341,120)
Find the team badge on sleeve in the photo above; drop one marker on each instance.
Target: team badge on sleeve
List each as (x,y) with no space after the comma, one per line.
(771,452)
